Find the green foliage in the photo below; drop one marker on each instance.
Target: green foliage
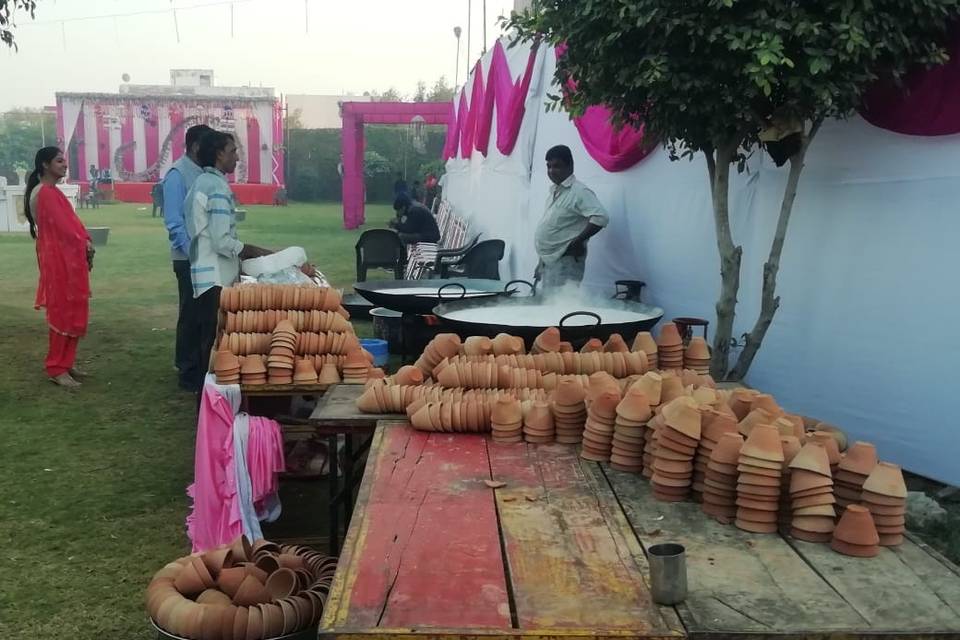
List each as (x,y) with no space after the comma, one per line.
(7,10)
(420,95)
(441,91)
(313,155)
(714,72)
(21,135)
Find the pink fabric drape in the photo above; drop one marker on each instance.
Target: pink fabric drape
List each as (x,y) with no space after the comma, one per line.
(470,125)
(614,149)
(927,104)
(215,517)
(468,133)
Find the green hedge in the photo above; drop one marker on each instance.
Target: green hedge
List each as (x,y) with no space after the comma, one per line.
(312,156)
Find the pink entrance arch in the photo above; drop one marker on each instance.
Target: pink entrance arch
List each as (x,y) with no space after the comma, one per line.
(357,114)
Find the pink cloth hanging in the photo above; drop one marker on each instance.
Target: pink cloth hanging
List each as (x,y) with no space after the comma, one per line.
(927,104)
(215,518)
(614,149)
(509,97)
(473,116)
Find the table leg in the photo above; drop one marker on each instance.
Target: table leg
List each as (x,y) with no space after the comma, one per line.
(333,481)
(347,478)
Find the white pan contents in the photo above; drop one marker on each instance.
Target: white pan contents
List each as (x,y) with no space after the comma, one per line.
(541,316)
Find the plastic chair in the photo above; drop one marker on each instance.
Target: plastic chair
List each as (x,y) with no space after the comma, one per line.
(480,261)
(380,249)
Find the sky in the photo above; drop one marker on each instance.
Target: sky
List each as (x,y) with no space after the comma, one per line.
(295,46)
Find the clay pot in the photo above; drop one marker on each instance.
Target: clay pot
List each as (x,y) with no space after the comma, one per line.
(290,561)
(755,417)
(230,579)
(547,341)
(763,443)
(802,480)
(251,592)
(189,582)
(569,393)
(506,410)
(740,401)
(644,342)
(886,479)
(267,563)
(669,335)
(671,388)
(217,560)
(253,570)
(697,349)
(635,405)
(281,583)
(860,459)
(614,344)
(829,444)
(213,597)
(682,415)
(651,383)
(273,620)
(859,551)
(290,617)
(791,447)
(766,402)
(255,626)
(812,457)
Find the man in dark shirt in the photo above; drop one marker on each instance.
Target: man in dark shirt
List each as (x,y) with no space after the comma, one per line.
(414,222)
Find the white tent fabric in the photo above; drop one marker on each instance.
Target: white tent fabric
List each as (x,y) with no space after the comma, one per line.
(868,282)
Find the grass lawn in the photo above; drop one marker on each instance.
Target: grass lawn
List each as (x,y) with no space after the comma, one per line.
(92,483)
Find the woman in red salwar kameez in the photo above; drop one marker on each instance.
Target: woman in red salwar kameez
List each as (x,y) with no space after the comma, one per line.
(65,257)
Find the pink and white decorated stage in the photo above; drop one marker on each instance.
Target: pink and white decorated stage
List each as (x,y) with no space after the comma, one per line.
(139,137)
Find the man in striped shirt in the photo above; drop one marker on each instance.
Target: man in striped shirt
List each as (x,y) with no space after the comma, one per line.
(215,250)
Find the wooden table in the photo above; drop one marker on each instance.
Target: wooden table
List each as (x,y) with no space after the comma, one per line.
(336,415)
(433,552)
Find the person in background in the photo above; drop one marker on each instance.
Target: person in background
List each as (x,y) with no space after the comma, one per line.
(400,187)
(417,192)
(430,184)
(156,195)
(414,222)
(573,215)
(174,190)
(215,251)
(65,257)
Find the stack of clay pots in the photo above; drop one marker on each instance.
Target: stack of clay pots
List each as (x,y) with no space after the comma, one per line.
(831,446)
(452,416)
(280,363)
(253,372)
(720,482)
(758,483)
(263,322)
(226,367)
(547,342)
(506,420)
(885,495)
(569,411)
(598,430)
(615,344)
(740,401)
(855,534)
(697,356)
(714,424)
(853,470)
(671,387)
(328,374)
(477,346)
(505,345)
(239,592)
(538,426)
(443,345)
(645,343)
(355,368)
(593,345)
(811,494)
(670,347)
(791,447)
(654,425)
(303,372)
(677,442)
(629,427)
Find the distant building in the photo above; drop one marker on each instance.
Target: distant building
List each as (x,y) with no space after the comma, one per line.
(319,112)
(138,132)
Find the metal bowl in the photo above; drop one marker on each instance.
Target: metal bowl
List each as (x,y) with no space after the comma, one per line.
(420,296)
(525,317)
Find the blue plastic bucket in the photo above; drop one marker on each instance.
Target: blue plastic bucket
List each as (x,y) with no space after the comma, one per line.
(377,348)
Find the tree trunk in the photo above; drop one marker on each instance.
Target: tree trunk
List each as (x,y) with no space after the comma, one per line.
(770,301)
(730,255)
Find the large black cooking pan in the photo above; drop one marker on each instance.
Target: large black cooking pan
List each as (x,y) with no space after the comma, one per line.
(519,316)
(421,296)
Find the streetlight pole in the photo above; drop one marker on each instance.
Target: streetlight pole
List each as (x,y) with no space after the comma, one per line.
(484,26)
(456,72)
(469,32)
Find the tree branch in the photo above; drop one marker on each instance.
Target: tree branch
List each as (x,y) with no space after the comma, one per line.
(769,301)
(729,257)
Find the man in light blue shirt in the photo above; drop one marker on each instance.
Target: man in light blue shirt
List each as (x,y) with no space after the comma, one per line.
(175,186)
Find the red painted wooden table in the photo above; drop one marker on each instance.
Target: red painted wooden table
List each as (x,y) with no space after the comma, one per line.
(558,551)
